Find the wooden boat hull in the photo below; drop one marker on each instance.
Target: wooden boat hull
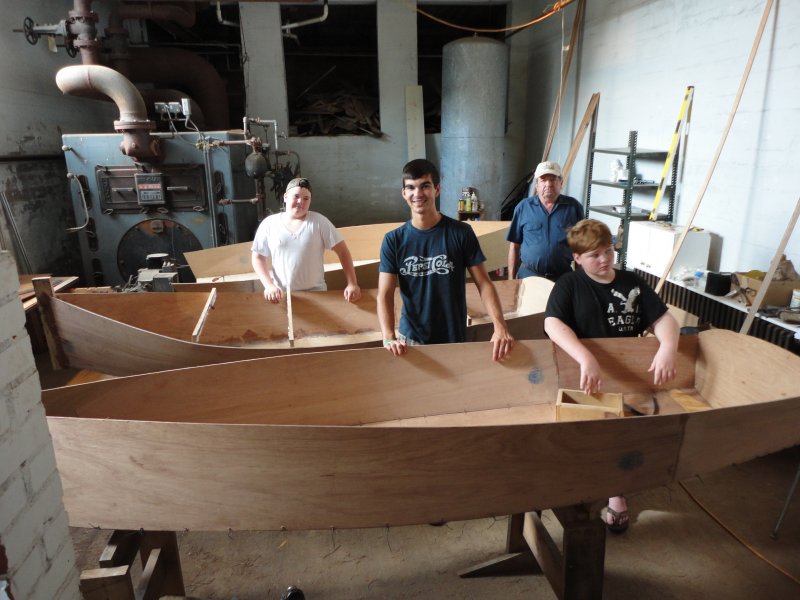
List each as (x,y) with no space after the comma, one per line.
(126,334)
(362,439)
(232,263)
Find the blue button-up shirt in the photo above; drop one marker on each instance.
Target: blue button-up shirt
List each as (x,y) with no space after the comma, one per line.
(542,235)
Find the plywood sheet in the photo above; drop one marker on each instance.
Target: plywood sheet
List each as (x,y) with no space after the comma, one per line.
(276,443)
(363,241)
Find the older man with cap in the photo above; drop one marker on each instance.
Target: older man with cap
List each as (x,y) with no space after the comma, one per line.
(538,231)
(289,247)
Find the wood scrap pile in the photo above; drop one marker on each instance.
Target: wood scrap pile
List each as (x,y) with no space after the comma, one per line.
(339,113)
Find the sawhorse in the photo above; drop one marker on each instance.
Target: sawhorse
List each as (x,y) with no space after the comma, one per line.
(161,568)
(575,572)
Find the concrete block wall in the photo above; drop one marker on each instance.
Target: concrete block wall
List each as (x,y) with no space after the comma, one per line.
(36,554)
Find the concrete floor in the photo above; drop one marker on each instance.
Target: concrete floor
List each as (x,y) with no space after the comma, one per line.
(673,550)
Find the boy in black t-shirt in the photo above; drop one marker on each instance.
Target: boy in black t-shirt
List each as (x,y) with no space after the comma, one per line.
(597,301)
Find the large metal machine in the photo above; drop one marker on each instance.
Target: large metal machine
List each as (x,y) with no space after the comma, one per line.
(188,201)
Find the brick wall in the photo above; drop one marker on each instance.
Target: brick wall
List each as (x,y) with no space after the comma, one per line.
(39,561)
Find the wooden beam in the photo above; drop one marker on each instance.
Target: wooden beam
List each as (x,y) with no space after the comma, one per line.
(415,122)
(589,117)
(573,41)
(762,291)
(212,298)
(712,167)
(43,287)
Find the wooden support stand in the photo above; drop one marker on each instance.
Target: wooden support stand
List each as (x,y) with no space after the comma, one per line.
(575,572)
(161,568)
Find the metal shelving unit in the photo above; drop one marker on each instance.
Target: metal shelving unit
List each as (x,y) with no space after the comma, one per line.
(626,212)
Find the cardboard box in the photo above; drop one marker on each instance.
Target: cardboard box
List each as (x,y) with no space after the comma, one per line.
(778,294)
(574,405)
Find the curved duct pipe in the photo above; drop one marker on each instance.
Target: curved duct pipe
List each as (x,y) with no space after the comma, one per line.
(185,70)
(133,123)
(183,15)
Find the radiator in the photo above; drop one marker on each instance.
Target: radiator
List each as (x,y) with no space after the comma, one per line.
(720,315)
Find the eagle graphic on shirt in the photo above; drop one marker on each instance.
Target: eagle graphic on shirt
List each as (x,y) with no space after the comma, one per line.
(624,315)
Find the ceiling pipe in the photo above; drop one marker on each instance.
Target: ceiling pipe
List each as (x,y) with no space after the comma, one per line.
(82,80)
(289,26)
(185,70)
(184,15)
(82,25)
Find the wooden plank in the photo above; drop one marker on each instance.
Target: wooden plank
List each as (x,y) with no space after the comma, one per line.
(589,118)
(59,284)
(201,321)
(170,580)
(120,549)
(44,297)
(573,42)
(415,122)
(546,552)
(583,552)
(111,583)
(762,291)
(745,75)
(364,243)
(623,372)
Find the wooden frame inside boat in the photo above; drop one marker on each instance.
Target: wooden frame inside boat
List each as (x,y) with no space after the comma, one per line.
(125,334)
(359,438)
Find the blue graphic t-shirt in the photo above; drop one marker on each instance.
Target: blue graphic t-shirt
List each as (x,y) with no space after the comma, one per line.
(430,265)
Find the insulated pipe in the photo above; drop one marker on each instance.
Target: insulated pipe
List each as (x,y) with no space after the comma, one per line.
(82,80)
(184,70)
(77,79)
(182,15)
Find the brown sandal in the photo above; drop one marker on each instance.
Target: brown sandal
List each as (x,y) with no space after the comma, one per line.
(619,520)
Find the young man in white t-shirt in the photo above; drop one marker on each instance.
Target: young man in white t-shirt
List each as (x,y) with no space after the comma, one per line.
(289,247)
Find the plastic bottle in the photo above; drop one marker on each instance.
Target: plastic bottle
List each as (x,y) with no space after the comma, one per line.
(701,275)
(468,203)
(462,203)
(475,204)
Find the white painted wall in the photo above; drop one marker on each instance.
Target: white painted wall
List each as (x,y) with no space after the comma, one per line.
(641,55)
(33,111)
(357,179)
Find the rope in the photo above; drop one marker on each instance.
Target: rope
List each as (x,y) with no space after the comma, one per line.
(744,543)
(558,6)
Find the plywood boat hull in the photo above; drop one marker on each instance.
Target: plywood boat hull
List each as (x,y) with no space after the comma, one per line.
(125,334)
(362,439)
(232,263)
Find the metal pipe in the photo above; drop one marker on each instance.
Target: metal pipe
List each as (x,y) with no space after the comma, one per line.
(78,79)
(320,19)
(222,21)
(82,80)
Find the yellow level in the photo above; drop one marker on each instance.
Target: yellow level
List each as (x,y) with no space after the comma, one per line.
(686,108)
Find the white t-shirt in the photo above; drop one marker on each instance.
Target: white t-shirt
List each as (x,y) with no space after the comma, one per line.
(299,254)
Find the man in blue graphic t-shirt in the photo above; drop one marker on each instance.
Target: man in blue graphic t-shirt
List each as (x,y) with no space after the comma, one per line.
(428,256)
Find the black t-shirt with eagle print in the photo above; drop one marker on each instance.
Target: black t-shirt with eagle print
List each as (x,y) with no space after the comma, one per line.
(626,307)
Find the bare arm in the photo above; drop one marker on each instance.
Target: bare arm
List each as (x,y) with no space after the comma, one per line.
(262,265)
(387,282)
(352,293)
(664,365)
(563,335)
(502,342)
(513,259)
